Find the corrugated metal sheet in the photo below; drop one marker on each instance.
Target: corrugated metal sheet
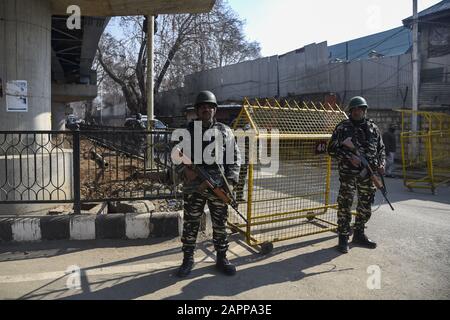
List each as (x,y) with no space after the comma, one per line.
(388,43)
(437,8)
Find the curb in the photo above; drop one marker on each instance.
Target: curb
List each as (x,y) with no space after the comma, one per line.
(91,227)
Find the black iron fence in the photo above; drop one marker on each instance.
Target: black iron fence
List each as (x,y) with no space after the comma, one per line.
(92,165)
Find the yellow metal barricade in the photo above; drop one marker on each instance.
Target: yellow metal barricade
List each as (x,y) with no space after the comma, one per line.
(425,152)
(288,182)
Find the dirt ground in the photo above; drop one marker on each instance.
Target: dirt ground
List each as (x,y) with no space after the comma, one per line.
(108,174)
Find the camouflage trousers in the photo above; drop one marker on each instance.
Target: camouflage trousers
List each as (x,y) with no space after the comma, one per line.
(366,195)
(194,205)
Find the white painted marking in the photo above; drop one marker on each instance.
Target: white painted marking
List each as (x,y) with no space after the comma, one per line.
(32,277)
(26,229)
(139,268)
(82,227)
(137,226)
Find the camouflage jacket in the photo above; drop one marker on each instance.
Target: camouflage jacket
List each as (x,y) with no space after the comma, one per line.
(367,139)
(231,168)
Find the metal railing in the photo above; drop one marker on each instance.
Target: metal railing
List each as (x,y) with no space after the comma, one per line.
(85,166)
(425,152)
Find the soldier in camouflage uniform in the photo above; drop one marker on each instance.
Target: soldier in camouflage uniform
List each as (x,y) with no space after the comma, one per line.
(195,199)
(366,137)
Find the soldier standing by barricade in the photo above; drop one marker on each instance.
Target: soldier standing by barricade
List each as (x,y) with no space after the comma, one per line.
(366,137)
(195,198)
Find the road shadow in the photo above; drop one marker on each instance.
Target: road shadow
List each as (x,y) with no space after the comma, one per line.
(206,281)
(287,270)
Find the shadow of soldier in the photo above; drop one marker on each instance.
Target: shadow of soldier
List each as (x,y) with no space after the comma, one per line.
(207,281)
(282,271)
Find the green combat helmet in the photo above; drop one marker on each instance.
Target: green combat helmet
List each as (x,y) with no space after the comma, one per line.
(206,97)
(357,102)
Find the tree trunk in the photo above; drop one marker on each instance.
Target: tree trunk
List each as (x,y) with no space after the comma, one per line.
(126,91)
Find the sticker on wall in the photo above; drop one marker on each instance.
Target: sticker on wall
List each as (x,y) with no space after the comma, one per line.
(16,96)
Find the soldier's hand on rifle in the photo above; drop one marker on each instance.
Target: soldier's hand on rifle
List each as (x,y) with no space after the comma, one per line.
(381,170)
(190,174)
(348,143)
(355,161)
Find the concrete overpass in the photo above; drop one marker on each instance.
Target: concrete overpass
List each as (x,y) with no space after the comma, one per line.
(43,65)
(73,52)
(36,46)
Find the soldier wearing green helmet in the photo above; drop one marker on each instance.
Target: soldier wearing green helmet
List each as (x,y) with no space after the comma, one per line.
(357,102)
(366,137)
(195,198)
(206,97)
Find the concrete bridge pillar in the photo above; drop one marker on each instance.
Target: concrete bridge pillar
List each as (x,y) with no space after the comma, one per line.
(25,54)
(58,116)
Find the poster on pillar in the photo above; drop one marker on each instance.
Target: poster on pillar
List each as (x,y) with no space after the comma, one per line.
(16,96)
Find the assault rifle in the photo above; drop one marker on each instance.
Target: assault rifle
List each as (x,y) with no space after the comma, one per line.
(208,182)
(366,169)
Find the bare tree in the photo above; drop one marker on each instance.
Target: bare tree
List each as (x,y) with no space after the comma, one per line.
(213,40)
(184,44)
(124,62)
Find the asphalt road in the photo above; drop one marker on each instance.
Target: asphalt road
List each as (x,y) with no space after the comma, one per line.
(411,262)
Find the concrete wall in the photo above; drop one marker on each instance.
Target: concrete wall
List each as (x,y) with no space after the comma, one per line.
(58,116)
(304,70)
(385,82)
(25,54)
(172,102)
(256,78)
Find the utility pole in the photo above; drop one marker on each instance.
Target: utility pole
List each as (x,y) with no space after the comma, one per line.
(149,89)
(416,66)
(150,80)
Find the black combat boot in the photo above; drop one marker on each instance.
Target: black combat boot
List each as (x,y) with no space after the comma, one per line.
(343,243)
(360,238)
(186,267)
(223,265)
